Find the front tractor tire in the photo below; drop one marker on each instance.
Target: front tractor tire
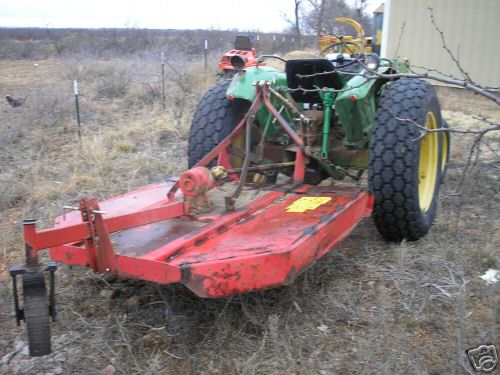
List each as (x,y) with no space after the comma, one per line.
(405,169)
(214,119)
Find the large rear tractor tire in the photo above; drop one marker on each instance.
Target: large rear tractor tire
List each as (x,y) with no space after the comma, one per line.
(36,314)
(215,118)
(405,168)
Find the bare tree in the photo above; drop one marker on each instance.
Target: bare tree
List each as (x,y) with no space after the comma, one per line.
(295,22)
(56,42)
(359,6)
(322,13)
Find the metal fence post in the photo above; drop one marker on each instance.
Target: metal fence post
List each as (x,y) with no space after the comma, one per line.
(206,55)
(163,80)
(77,105)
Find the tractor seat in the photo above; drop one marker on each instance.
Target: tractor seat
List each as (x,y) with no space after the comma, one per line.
(310,66)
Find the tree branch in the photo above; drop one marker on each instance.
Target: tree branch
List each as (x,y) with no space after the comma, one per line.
(445,47)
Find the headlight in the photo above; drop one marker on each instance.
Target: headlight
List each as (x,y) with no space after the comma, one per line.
(372,61)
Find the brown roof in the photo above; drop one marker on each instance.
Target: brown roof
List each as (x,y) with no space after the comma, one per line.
(380,9)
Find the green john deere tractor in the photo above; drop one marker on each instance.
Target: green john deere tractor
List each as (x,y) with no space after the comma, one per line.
(349,118)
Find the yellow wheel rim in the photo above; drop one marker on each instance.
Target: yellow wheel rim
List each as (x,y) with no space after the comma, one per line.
(444,152)
(428,164)
(239,142)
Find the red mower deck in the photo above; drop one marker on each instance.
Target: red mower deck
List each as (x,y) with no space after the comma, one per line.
(266,243)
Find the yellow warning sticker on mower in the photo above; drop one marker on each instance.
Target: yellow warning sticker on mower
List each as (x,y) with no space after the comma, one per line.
(307,204)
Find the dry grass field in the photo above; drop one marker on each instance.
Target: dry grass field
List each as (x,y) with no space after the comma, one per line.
(367,307)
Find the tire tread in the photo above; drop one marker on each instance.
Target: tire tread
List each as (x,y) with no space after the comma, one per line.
(36,314)
(393,162)
(214,119)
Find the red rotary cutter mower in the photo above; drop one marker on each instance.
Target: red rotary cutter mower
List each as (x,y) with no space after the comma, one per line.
(226,226)
(154,234)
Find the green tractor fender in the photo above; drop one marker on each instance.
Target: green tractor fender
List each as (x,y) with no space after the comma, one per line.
(355,109)
(242,85)
(356,106)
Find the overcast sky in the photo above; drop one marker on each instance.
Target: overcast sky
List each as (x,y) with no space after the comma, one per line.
(264,15)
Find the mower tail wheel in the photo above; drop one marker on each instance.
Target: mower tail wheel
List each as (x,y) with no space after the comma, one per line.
(36,314)
(405,166)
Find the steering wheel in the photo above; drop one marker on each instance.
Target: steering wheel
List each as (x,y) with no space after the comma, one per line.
(346,45)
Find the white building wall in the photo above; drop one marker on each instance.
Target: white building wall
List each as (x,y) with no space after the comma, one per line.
(471,29)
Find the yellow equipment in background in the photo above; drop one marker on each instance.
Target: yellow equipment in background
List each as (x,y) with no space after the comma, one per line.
(360,40)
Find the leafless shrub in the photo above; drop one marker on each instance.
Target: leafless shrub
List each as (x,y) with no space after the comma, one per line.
(115,84)
(29,49)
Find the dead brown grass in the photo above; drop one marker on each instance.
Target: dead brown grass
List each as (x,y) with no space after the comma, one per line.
(368,307)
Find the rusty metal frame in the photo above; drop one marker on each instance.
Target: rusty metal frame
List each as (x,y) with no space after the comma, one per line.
(220,151)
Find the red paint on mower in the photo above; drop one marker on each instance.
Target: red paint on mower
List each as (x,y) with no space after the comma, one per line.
(258,246)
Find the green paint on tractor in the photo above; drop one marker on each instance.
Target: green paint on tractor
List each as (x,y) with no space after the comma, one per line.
(353,105)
